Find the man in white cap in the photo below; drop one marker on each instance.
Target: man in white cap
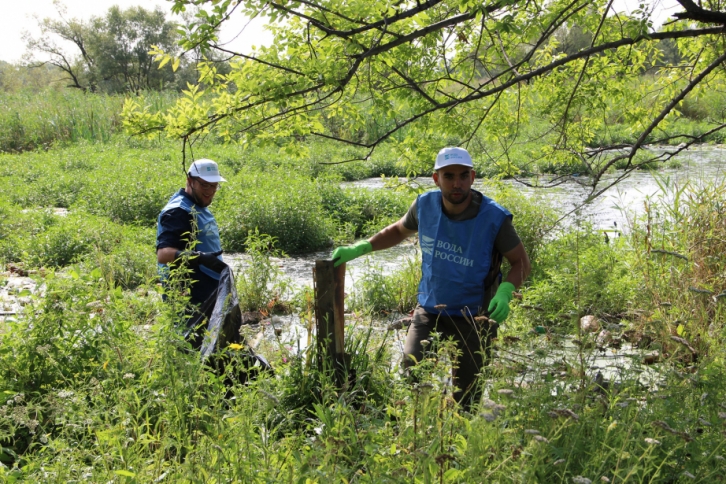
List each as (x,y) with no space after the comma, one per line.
(463,236)
(187,231)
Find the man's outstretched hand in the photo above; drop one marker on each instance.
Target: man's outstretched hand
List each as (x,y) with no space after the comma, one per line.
(341,255)
(208,259)
(499,305)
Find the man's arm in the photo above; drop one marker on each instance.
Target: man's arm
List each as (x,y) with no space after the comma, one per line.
(392,235)
(388,237)
(519,260)
(176,225)
(166,255)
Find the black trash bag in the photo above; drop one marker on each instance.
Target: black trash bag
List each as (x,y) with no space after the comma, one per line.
(224,317)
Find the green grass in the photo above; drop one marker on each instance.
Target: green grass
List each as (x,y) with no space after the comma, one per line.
(96,386)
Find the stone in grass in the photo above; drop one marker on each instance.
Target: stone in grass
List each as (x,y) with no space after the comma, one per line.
(581,480)
(589,324)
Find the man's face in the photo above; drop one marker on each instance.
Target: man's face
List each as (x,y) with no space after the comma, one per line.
(455,183)
(202,192)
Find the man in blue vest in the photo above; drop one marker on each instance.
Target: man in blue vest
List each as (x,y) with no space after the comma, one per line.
(187,232)
(463,236)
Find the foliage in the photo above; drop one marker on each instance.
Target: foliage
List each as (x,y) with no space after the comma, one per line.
(16,78)
(283,205)
(438,70)
(679,249)
(362,212)
(377,292)
(581,273)
(43,239)
(112,51)
(95,397)
(38,119)
(261,286)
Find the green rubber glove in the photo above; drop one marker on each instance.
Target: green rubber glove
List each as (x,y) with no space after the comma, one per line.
(341,255)
(499,305)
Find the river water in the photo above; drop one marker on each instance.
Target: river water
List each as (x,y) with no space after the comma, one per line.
(613,210)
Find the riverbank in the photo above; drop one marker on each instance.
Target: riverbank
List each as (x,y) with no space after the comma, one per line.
(96,387)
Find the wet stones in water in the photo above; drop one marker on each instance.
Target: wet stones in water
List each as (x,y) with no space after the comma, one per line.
(508,339)
(399,324)
(589,324)
(251,317)
(637,339)
(586,345)
(651,358)
(603,339)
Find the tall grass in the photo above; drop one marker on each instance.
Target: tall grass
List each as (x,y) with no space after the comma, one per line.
(95,386)
(32,120)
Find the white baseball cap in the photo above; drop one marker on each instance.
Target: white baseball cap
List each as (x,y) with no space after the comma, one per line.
(207,170)
(453,156)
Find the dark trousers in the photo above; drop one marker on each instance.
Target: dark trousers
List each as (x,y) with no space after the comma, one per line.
(473,340)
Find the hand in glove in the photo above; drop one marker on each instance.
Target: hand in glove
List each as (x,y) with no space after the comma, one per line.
(208,259)
(341,255)
(499,305)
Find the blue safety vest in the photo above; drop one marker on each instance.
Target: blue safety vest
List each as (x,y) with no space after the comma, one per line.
(456,254)
(207,231)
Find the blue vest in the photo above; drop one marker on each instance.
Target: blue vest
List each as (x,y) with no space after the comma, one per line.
(455,254)
(207,232)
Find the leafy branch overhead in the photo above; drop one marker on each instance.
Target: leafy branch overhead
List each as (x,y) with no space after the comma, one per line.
(490,75)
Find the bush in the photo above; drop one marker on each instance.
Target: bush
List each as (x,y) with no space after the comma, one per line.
(287,207)
(581,272)
(261,285)
(376,292)
(364,211)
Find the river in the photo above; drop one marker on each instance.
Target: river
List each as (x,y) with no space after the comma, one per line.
(613,210)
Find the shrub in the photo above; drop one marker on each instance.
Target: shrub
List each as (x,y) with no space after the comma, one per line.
(377,292)
(287,207)
(581,272)
(364,211)
(261,284)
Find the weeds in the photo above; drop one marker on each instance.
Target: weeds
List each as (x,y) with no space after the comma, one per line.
(261,285)
(98,385)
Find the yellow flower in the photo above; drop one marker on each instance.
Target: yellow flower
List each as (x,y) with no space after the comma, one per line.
(235,346)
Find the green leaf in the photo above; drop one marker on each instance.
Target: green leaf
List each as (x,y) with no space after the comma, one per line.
(124,473)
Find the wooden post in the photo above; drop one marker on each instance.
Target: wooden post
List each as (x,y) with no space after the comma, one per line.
(329,283)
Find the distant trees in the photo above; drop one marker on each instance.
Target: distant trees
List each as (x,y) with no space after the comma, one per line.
(15,78)
(108,53)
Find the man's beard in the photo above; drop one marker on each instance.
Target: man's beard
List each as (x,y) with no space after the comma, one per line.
(464,196)
(198,201)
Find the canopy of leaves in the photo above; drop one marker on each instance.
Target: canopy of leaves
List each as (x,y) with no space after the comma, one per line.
(110,53)
(486,74)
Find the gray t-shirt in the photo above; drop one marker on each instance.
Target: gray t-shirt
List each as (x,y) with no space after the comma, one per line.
(507,238)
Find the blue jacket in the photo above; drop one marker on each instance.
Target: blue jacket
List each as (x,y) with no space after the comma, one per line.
(207,233)
(455,254)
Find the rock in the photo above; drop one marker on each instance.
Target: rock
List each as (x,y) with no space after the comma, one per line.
(589,324)
(603,338)
(651,358)
(251,317)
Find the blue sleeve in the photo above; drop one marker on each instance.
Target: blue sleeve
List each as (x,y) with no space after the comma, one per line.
(176,225)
